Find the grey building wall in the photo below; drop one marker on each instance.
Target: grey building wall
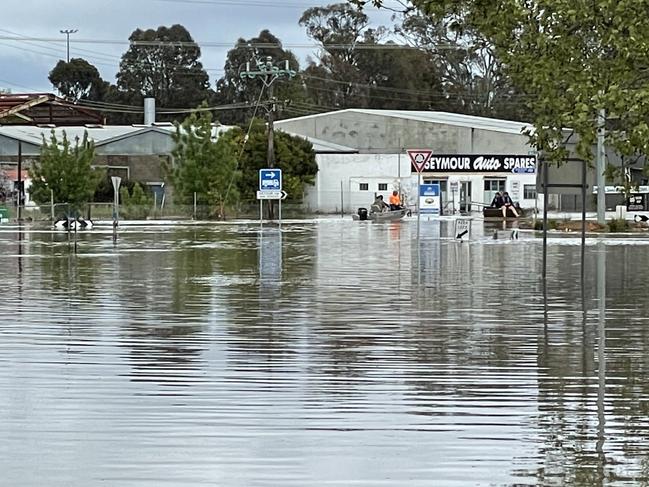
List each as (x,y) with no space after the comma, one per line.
(9,147)
(144,144)
(373,133)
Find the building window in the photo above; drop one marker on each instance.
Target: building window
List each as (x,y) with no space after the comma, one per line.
(494,185)
(529,191)
(383,186)
(364,186)
(491,187)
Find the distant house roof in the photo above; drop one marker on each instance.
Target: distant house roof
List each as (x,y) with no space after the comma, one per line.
(44,109)
(99,134)
(469,121)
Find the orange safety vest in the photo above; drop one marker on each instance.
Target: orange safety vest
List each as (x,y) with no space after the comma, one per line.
(395,200)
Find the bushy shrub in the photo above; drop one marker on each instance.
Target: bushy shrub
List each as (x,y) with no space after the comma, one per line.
(137,204)
(618,225)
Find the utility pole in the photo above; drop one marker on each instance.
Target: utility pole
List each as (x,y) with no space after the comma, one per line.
(67,33)
(269,73)
(600,167)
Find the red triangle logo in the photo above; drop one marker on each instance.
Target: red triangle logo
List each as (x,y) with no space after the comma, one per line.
(419,158)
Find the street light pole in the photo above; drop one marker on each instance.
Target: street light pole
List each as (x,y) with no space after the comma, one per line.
(269,73)
(67,33)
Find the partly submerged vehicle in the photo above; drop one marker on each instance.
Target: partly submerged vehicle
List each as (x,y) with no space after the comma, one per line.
(380,216)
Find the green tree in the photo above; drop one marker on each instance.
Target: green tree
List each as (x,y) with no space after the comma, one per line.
(570,58)
(358,68)
(294,155)
(471,74)
(66,170)
(156,67)
(204,164)
(78,80)
(231,88)
(135,204)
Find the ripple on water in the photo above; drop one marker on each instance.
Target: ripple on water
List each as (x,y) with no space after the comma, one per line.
(331,353)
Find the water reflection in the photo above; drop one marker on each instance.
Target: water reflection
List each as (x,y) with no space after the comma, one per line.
(328,353)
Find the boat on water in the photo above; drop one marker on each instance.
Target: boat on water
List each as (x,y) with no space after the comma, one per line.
(380,216)
(494,213)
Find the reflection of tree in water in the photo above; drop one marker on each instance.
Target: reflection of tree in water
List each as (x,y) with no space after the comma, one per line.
(67,275)
(167,296)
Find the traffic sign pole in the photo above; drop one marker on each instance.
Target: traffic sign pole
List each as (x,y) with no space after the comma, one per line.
(419,158)
(418,203)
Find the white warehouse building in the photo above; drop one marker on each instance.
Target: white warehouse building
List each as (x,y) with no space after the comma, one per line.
(361,153)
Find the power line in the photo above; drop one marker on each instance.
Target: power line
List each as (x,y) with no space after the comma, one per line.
(241,45)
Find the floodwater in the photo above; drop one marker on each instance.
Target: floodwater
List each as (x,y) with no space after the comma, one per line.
(333,353)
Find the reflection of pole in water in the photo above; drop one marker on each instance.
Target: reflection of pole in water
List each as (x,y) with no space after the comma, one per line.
(601,358)
(270,255)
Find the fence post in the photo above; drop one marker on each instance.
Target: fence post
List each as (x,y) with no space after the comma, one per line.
(52,204)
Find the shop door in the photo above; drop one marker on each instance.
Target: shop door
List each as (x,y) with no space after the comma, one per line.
(491,187)
(465,196)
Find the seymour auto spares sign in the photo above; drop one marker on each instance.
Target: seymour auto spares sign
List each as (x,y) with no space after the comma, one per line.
(518,164)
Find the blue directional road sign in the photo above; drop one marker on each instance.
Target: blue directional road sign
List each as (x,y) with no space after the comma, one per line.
(270,180)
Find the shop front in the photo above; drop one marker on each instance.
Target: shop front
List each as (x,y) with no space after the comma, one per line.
(468,182)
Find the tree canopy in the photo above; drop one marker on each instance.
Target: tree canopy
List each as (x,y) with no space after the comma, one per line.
(154,66)
(569,59)
(66,169)
(78,80)
(231,88)
(294,155)
(204,164)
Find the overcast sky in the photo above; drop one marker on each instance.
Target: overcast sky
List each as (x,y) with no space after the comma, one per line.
(24,65)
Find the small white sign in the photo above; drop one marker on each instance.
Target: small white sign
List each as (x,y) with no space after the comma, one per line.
(271,195)
(462,228)
(116,180)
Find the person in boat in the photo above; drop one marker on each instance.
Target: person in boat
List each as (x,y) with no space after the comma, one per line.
(507,202)
(395,201)
(497,202)
(379,206)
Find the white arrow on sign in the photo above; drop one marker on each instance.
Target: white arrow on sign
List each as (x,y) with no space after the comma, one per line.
(284,194)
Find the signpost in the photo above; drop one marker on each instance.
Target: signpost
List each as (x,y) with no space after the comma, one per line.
(462,228)
(419,158)
(116,183)
(429,199)
(270,188)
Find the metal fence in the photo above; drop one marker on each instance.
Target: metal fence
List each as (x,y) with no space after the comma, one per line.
(248,209)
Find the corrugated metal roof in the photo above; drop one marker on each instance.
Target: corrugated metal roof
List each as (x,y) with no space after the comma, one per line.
(99,135)
(40,108)
(469,121)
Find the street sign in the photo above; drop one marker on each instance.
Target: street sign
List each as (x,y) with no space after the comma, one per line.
(271,195)
(429,199)
(462,228)
(270,180)
(419,158)
(116,182)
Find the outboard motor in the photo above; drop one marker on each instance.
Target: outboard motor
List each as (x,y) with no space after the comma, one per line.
(362,214)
